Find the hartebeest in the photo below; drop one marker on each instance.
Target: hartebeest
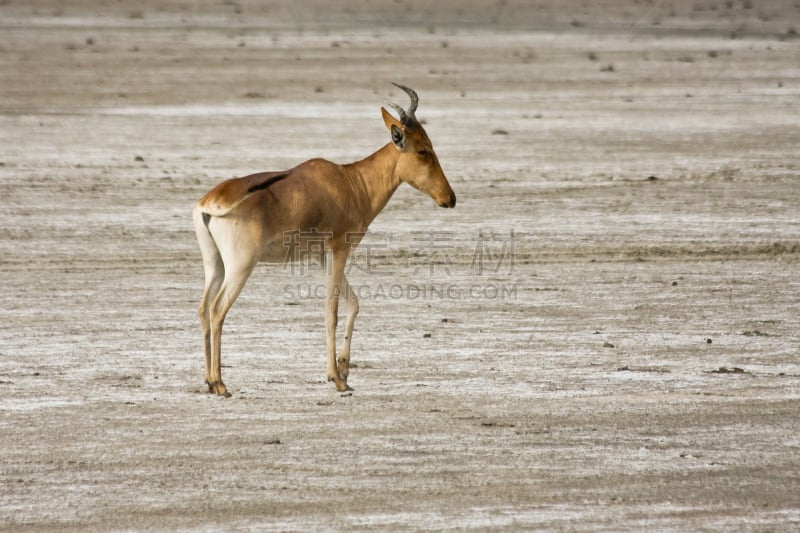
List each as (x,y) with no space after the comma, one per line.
(243,221)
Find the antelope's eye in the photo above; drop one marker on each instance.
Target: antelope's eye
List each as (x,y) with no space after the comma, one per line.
(422,152)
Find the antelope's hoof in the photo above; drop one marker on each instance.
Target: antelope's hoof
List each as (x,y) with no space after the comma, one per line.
(341,385)
(218,388)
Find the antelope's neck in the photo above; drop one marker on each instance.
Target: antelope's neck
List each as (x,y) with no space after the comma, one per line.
(376,174)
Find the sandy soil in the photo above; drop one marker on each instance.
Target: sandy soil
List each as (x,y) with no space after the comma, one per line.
(603,335)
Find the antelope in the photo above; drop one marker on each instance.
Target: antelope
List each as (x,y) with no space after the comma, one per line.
(244,221)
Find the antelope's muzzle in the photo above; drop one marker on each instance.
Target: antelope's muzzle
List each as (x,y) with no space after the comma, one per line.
(451,202)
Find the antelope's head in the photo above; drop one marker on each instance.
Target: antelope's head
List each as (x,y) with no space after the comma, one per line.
(417,163)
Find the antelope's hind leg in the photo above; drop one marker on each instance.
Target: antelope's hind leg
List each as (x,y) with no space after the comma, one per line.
(214,271)
(237,271)
(230,253)
(213,284)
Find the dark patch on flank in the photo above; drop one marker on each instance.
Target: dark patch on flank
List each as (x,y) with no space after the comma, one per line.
(265,184)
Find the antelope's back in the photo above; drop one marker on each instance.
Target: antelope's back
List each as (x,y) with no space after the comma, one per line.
(227,195)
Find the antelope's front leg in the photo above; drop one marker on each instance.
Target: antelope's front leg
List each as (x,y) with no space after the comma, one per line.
(343,362)
(332,317)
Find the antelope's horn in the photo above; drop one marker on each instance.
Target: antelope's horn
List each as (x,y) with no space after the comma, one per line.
(412,95)
(400,112)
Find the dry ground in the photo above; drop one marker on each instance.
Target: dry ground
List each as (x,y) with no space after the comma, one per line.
(603,335)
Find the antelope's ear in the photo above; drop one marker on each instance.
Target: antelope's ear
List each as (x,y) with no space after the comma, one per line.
(399,138)
(396,128)
(389,120)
